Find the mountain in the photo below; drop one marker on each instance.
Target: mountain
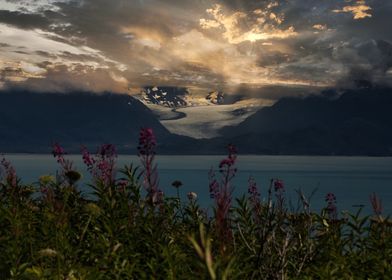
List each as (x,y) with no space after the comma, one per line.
(356,122)
(215,97)
(32,122)
(172,97)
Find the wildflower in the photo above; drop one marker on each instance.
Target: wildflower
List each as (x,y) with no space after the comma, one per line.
(107,150)
(253,191)
(222,192)
(59,152)
(279,192)
(192,196)
(47,252)
(278,185)
(10,172)
(146,148)
(102,165)
(376,204)
(87,159)
(45,181)
(93,209)
(147,142)
(157,197)
(331,208)
(330,198)
(213,185)
(177,184)
(231,158)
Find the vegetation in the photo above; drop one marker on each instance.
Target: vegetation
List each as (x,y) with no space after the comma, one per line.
(131,230)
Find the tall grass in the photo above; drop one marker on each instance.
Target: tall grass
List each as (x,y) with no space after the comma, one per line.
(49,230)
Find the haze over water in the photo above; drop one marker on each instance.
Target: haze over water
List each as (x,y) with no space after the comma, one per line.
(351,179)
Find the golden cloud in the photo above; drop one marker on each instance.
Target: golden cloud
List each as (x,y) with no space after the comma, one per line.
(239,27)
(360,10)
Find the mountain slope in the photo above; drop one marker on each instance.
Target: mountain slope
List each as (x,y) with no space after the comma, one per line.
(359,122)
(31,122)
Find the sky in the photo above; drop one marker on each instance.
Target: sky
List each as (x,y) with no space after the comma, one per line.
(204,45)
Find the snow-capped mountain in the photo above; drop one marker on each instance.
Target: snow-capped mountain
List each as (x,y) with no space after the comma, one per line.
(216,97)
(179,97)
(172,97)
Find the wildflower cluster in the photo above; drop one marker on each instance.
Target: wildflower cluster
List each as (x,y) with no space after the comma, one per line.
(117,233)
(102,165)
(9,172)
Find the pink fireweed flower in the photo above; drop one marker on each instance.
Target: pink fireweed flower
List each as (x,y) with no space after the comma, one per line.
(253,191)
(9,172)
(146,148)
(102,166)
(278,185)
(59,152)
(231,158)
(107,150)
(222,192)
(88,160)
(147,142)
(376,204)
(254,198)
(279,192)
(331,208)
(213,185)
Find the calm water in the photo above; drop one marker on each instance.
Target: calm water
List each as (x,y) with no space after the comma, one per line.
(352,179)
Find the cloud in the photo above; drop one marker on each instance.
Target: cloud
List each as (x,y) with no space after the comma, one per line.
(320,27)
(359,10)
(23,20)
(367,61)
(19,66)
(202,45)
(240,27)
(61,78)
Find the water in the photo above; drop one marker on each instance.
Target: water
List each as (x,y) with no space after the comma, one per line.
(351,179)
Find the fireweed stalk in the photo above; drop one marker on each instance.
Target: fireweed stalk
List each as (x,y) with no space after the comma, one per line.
(279,193)
(102,166)
(331,208)
(9,172)
(254,194)
(376,204)
(146,148)
(59,152)
(222,193)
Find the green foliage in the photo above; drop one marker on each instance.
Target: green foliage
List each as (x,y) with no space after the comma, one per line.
(50,231)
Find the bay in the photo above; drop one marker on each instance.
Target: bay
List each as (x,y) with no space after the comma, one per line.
(351,179)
